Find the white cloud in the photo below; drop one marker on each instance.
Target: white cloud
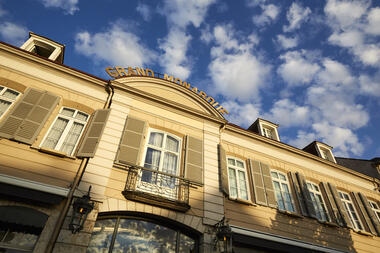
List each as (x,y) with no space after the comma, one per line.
(144,10)
(335,73)
(373,19)
(287,113)
(69,6)
(206,34)
(235,70)
(269,14)
(297,68)
(303,139)
(350,38)
(287,42)
(181,13)
(242,114)
(174,57)
(370,85)
(344,13)
(296,15)
(13,33)
(116,46)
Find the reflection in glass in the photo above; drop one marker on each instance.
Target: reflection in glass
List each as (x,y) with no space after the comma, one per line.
(187,244)
(101,236)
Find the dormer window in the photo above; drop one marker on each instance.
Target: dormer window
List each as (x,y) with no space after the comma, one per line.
(325,152)
(265,128)
(44,47)
(268,132)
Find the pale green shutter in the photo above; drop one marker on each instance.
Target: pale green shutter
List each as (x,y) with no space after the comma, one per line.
(340,206)
(306,195)
(370,212)
(131,143)
(194,159)
(24,122)
(297,189)
(223,170)
(258,183)
(94,132)
(269,191)
(334,212)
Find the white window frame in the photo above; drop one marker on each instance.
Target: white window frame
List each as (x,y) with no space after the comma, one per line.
(265,128)
(71,120)
(281,182)
(237,169)
(326,153)
(8,99)
(318,203)
(375,208)
(162,190)
(347,203)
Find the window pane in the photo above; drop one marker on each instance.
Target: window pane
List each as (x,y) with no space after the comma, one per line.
(81,116)
(13,240)
(67,112)
(282,177)
(143,236)
(170,163)
(243,186)
(101,236)
(231,161)
(233,183)
(72,138)
(186,244)
(55,133)
(172,144)
(4,106)
(11,94)
(152,161)
(274,174)
(239,164)
(156,139)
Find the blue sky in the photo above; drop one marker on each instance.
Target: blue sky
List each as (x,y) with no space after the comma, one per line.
(310,66)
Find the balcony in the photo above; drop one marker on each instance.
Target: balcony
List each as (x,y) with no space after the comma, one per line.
(156,188)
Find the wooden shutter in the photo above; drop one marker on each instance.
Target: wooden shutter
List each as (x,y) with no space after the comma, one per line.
(94,132)
(370,212)
(299,195)
(342,211)
(258,183)
(306,195)
(24,122)
(194,159)
(363,215)
(131,142)
(269,191)
(223,170)
(331,205)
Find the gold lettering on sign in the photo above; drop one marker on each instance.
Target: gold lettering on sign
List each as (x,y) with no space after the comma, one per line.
(131,71)
(178,81)
(121,70)
(223,111)
(195,89)
(110,71)
(149,71)
(140,72)
(169,78)
(212,100)
(202,94)
(185,84)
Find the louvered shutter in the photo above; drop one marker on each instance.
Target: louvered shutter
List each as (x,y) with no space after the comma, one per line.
(250,180)
(334,212)
(370,212)
(306,195)
(24,122)
(194,159)
(339,204)
(223,170)
(258,183)
(131,142)
(94,132)
(368,226)
(269,191)
(297,188)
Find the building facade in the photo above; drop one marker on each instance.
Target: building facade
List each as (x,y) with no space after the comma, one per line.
(165,172)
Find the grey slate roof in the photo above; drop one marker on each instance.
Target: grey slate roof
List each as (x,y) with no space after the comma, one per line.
(366,167)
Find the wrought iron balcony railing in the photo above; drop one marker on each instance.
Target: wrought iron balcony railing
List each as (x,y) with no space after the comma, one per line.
(156,188)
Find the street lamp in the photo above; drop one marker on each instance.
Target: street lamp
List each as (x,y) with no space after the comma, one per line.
(81,208)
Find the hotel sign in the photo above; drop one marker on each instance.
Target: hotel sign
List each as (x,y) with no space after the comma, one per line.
(120,72)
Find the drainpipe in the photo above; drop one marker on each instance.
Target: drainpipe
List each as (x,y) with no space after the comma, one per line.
(78,177)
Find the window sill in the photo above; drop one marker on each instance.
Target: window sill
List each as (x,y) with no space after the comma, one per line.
(55,152)
(328,223)
(362,232)
(290,213)
(242,201)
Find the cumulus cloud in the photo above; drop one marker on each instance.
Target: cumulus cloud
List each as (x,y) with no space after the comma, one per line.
(298,68)
(13,33)
(287,42)
(242,114)
(373,20)
(235,70)
(144,10)
(344,13)
(296,15)
(69,6)
(287,113)
(303,139)
(116,46)
(268,15)
(370,85)
(174,57)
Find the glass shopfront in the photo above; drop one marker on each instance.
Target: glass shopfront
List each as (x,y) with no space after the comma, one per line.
(134,234)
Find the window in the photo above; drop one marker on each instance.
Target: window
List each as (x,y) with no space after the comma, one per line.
(375,208)
(326,154)
(7,98)
(349,207)
(64,134)
(318,203)
(282,191)
(237,179)
(268,132)
(162,154)
(121,234)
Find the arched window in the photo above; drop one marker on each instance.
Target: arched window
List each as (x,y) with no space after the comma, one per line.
(138,234)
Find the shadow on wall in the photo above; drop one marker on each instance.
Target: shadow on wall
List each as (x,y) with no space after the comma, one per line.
(311,231)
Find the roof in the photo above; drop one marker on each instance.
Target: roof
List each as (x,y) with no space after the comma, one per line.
(366,167)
